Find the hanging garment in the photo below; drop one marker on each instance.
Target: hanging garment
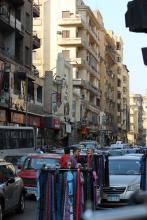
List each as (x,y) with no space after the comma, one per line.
(66,208)
(78,195)
(59,195)
(52,197)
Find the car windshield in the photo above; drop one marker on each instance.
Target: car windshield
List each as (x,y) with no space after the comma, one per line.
(88,145)
(124,167)
(37,163)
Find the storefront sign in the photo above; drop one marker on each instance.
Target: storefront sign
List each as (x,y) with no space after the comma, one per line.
(68,128)
(34,121)
(52,122)
(56,123)
(17,118)
(3,116)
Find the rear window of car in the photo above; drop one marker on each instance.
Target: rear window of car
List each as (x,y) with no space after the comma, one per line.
(124,167)
(37,163)
(12,159)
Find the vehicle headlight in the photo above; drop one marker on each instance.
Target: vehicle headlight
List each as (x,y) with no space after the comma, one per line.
(133,187)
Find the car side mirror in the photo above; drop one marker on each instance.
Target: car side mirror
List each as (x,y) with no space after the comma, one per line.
(10,180)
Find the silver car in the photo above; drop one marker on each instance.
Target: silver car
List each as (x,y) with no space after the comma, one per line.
(12,190)
(125,177)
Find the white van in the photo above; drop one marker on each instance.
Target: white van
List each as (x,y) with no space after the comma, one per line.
(125,178)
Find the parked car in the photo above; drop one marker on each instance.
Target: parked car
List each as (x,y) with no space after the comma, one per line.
(12,190)
(16,160)
(125,178)
(32,164)
(89,144)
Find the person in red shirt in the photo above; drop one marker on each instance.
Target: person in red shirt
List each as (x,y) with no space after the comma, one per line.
(65,159)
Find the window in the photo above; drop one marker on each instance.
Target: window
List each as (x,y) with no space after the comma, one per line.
(65,34)
(65,14)
(119,95)
(118,46)
(27,56)
(118,59)
(66,54)
(124,167)
(118,107)
(39,94)
(18,14)
(28,22)
(119,83)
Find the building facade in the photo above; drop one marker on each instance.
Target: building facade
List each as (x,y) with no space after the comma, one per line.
(145,120)
(21,89)
(77,32)
(135,135)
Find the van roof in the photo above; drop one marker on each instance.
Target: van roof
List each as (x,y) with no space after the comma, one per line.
(127,157)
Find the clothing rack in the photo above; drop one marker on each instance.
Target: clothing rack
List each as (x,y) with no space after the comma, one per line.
(64,193)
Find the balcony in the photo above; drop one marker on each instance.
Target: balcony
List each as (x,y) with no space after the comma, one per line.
(36,10)
(93,108)
(92,88)
(7,21)
(17,3)
(36,41)
(19,27)
(111,52)
(75,41)
(74,20)
(87,85)
(79,82)
(78,61)
(4,99)
(92,34)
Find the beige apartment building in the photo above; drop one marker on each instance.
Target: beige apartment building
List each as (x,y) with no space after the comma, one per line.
(114,89)
(145,119)
(71,28)
(135,135)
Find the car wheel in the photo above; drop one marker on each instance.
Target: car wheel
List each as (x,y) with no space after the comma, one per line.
(1,212)
(21,204)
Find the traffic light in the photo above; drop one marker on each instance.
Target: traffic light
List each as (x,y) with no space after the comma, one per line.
(136,16)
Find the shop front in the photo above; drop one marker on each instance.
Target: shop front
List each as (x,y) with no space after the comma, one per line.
(52,126)
(3,116)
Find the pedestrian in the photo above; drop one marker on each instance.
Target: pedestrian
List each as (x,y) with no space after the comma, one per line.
(76,158)
(89,158)
(65,159)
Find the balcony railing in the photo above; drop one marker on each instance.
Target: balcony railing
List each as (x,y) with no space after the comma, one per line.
(36,41)
(74,20)
(36,10)
(76,41)
(111,53)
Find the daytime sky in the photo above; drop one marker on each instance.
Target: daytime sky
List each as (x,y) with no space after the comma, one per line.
(113,13)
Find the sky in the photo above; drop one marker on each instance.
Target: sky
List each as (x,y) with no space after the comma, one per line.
(113,13)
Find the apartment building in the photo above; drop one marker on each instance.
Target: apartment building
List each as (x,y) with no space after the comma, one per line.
(73,29)
(118,86)
(135,135)
(122,92)
(21,89)
(144,120)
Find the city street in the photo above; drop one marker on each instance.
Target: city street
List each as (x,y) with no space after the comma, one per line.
(29,214)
